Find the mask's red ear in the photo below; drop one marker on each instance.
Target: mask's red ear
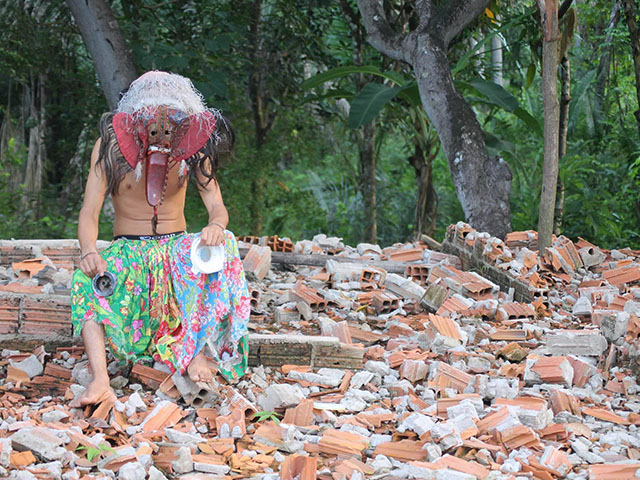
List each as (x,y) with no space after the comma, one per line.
(126,134)
(201,127)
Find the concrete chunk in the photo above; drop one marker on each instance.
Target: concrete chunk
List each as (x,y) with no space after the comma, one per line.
(30,365)
(41,441)
(434,296)
(591,256)
(404,287)
(184,438)
(5,452)
(613,324)
(582,307)
(280,396)
(576,342)
(131,471)
(193,393)
(257,262)
(184,462)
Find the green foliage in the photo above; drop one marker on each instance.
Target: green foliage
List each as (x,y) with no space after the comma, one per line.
(500,97)
(308,165)
(94,452)
(266,415)
(369,101)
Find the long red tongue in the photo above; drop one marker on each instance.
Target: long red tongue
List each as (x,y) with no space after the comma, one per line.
(156,174)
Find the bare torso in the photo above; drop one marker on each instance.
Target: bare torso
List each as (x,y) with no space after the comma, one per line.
(133,214)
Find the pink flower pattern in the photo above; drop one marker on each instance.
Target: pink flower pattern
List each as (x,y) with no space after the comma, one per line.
(162,310)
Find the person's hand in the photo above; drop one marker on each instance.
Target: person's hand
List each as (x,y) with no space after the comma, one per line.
(92,263)
(212,234)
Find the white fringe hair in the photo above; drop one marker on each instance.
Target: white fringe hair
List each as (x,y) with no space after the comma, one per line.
(157,88)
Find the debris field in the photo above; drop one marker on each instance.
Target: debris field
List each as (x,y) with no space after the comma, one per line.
(474,358)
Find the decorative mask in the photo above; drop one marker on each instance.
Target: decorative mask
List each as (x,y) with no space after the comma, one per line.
(156,137)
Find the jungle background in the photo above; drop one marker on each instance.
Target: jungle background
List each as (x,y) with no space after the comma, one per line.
(331,134)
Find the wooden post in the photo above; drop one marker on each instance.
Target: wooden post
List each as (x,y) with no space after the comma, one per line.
(550,35)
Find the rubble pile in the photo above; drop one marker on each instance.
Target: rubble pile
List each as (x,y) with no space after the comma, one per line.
(474,358)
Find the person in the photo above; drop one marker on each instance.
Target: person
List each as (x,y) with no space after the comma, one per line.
(161,309)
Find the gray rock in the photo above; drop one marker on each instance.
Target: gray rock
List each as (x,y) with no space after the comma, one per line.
(582,307)
(55,469)
(119,382)
(22,475)
(54,416)
(5,452)
(632,307)
(381,464)
(381,368)
(211,468)
(41,441)
(478,365)
(576,342)
(614,325)
(30,365)
(136,402)
(416,422)
(80,373)
(184,462)
(132,471)
(155,474)
(314,378)
(360,379)
(591,256)
(280,396)
(176,436)
(71,475)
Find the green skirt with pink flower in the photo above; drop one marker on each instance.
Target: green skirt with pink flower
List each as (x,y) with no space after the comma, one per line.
(162,310)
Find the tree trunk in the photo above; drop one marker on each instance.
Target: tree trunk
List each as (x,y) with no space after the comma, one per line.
(550,33)
(76,166)
(427,203)
(107,47)
(366,138)
(602,73)
(483,184)
(11,140)
(496,59)
(37,149)
(261,120)
(632,25)
(565,100)
(368,181)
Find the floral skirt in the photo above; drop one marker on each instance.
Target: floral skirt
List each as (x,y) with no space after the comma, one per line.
(161,310)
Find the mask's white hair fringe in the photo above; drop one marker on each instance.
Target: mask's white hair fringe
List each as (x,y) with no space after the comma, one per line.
(157,88)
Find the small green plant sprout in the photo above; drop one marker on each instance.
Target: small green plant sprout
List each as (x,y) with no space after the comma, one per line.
(265,415)
(93,452)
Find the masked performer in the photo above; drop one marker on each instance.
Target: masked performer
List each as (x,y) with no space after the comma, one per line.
(161,134)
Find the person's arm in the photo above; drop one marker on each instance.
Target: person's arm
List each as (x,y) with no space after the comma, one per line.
(91,262)
(213,233)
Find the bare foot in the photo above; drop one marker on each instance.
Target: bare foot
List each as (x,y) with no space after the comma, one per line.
(96,392)
(199,370)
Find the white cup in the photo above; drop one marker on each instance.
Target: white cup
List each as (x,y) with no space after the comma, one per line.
(206,258)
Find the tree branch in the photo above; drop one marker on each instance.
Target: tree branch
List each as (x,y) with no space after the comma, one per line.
(456,15)
(424,8)
(379,33)
(564,8)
